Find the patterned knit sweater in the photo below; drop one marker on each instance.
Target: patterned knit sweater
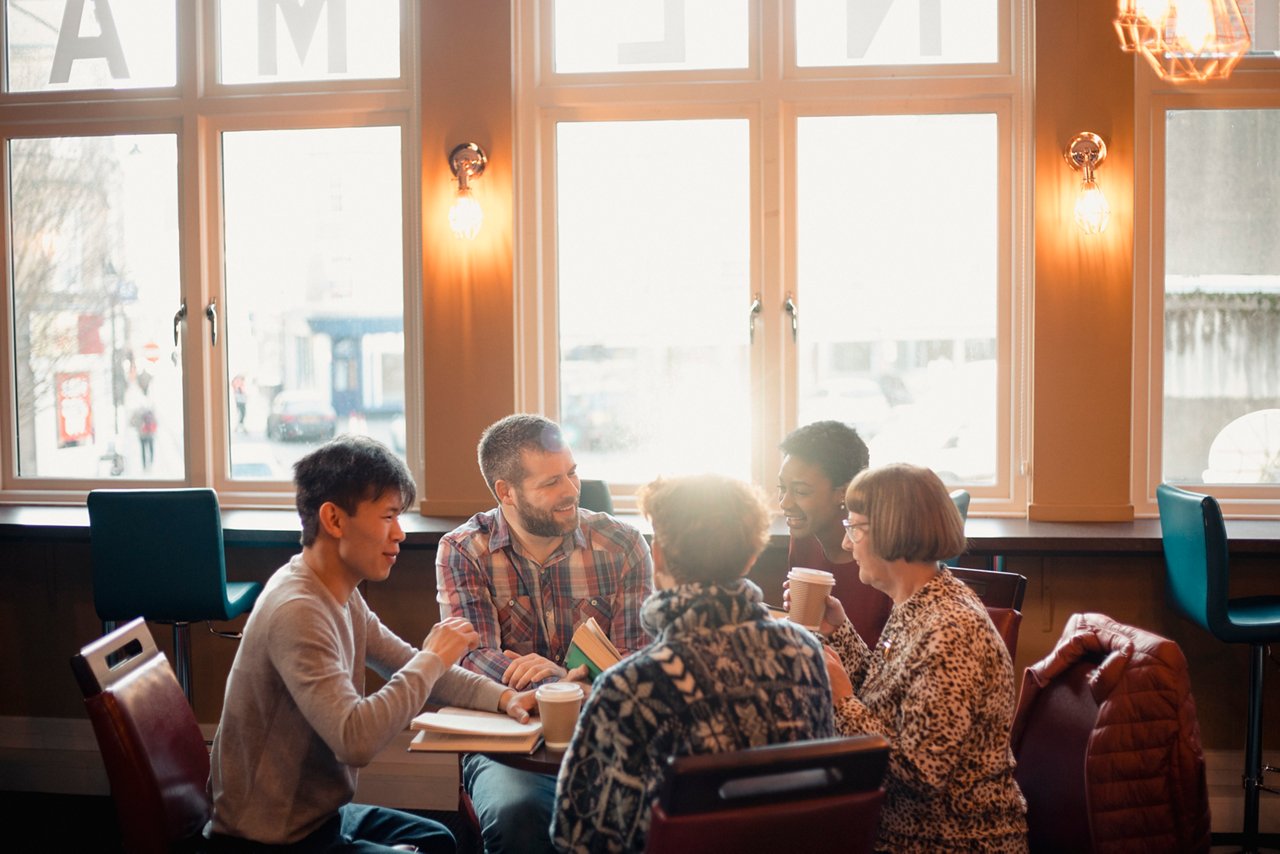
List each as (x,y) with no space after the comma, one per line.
(720,676)
(939,686)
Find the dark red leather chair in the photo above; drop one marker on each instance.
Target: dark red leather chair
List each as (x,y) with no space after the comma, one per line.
(1002,593)
(1108,745)
(808,796)
(151,744)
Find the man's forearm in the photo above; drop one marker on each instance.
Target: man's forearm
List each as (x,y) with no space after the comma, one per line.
(486,661)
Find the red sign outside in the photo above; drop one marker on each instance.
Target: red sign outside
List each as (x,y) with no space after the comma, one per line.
(75,409)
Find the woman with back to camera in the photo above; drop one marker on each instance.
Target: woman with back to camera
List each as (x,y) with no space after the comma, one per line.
(938,684)
(819,461)
(719,676)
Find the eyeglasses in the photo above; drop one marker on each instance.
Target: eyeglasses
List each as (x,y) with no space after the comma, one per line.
(855,531)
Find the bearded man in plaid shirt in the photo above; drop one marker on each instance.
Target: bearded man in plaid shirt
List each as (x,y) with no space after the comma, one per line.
(525,575)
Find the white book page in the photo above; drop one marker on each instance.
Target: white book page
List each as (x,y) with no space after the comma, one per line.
(473,722)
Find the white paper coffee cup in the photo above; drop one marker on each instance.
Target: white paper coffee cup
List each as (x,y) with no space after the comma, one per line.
(809,591)
(558,706)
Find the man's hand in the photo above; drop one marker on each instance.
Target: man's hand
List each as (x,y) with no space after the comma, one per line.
(450,638)
(582,676)
(518,704)
(832,617)
(524,670)
(841,687)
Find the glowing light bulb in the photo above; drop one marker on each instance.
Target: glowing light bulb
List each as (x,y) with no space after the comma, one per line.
(1152,10)
(466,216)
(466,161)
(1092,211)
(1193,23)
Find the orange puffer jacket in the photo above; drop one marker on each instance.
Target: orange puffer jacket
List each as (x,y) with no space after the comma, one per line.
(1144,770)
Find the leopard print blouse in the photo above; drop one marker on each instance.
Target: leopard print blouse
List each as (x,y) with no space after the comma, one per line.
(939,686)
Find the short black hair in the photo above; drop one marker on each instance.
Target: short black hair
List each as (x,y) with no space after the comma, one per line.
(503,441)
(346,471)
(832,446)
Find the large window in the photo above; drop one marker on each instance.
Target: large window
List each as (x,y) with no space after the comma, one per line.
(650,292)
(1208,401)
(749,216)
(205,251)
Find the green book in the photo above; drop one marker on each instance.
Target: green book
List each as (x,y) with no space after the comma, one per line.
(592,647)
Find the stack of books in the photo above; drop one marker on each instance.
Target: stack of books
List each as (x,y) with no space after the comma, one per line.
(452,730)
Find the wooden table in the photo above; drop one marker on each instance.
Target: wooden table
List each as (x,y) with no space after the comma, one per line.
(543,760)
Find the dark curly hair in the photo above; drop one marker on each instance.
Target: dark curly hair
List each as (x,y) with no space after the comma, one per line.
(832,446)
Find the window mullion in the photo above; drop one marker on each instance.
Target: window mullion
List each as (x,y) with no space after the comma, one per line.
(201,268)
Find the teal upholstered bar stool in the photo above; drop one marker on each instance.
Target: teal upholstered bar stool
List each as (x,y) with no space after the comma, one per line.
(595,496)
(959,497)
(158,554)
(1195,555)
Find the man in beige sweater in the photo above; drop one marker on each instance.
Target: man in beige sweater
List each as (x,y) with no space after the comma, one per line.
(296,724)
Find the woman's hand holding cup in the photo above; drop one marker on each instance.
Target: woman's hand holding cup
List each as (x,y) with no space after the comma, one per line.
(833,616)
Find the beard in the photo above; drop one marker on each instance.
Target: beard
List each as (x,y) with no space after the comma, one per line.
(542,523)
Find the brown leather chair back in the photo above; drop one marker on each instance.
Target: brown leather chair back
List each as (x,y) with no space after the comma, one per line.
(1002,593)
(995,589)
(150,742)
(848,822)
(1007,622)
(805,796)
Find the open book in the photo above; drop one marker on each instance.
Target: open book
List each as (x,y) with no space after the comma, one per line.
(592,647)
(452,730)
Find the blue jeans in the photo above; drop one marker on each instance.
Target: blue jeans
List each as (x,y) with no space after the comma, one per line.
(356,829)
(514,807)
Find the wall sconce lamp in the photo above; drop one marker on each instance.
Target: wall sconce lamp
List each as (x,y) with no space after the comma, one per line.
(1085,152)
(466,161)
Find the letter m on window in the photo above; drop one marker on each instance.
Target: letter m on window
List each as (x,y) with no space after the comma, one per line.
(301,17)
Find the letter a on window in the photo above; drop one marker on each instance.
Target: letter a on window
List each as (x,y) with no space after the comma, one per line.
(73,46)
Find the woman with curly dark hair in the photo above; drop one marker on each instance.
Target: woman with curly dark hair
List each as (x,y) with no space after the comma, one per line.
(819,461)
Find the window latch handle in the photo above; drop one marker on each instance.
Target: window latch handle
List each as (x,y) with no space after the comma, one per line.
(755,309)
(179,316)
(790,307)
(211,312)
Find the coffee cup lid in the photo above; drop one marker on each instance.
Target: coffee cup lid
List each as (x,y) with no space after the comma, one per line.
(813,576)
(559,691)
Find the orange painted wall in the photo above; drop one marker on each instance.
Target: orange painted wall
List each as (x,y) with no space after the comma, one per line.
(1083,285)
(468,303)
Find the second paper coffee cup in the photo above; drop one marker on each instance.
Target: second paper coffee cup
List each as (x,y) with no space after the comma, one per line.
(558,706)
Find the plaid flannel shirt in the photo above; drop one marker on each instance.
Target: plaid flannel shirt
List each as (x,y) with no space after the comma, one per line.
(601,569)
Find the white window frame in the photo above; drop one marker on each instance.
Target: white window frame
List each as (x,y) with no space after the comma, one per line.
(1255,84)
(198,109)
(772,93)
